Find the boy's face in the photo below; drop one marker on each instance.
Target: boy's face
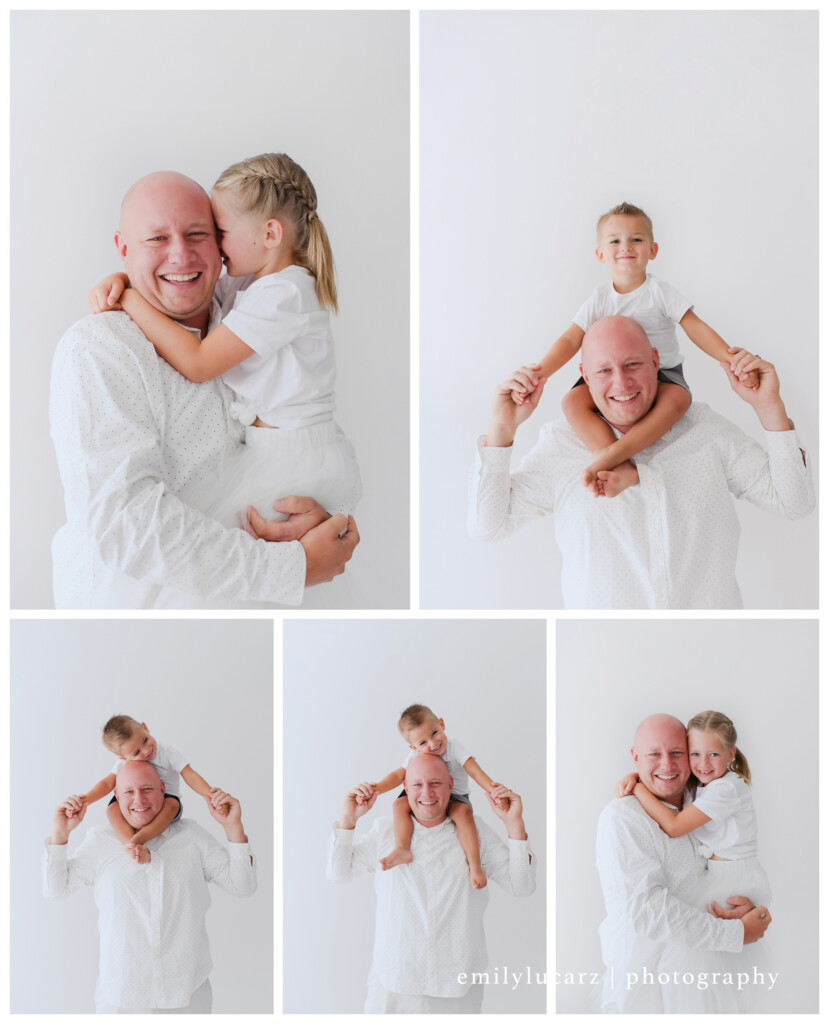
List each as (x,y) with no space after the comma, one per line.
(626,247)
(428,737)
(139,747)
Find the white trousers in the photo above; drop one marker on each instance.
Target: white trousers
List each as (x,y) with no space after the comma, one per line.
(200,1002)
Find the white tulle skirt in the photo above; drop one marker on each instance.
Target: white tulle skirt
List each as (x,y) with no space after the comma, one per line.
(314,462)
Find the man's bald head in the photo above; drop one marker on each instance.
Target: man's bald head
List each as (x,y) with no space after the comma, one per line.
(660,751)
(167,240)
(139,792)
(619,366)
(428,788)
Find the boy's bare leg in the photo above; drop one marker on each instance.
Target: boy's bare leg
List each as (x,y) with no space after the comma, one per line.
(154,828)
(461,814)
(672,402)
(403,828)
(580,410)
(119,824)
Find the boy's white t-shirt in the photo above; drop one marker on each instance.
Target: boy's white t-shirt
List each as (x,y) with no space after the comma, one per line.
(656,306)
(456,755)
(168,763)
(289,380)
(732,831)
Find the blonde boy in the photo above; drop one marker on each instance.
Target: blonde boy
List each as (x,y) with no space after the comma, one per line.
(421,728)
(130,740)
(625,245)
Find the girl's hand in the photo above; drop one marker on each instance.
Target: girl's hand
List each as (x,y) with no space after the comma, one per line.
(624,787)
(104,296)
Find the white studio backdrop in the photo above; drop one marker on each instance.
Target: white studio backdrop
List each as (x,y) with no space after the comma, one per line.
(532,125)
(205,687)
(762,674)
(100,98)
(345,685)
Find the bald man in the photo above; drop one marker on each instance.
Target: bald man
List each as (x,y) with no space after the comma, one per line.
(133,437)
(152,904)
(670,539)
(650,882)
(429,932)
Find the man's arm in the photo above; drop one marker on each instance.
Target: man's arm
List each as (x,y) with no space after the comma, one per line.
(510,864)
(636,890)
(231,867)
(779,479)
(348,856)
(62,875)
(114,476)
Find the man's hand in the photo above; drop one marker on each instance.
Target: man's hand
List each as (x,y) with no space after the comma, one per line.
(352,809)
(509,808)
(328,548)
(364,791)
(216,797)
(507,416)
(765,397)
(66,817)
(738,906)
(228,812)
(303,515)
(755,924)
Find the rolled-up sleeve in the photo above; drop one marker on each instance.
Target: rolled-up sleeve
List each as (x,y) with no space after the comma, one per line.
(510,864)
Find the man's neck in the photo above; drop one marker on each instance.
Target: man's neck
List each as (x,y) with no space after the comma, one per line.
(430,824)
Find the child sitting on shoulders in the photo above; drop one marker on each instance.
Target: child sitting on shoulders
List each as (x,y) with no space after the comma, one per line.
(625,246)
(130,740)
(424,732)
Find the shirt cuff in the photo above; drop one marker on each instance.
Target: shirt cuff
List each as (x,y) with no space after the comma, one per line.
(287,572)
(785,440)
(55,852)
(491,457)
(239,851)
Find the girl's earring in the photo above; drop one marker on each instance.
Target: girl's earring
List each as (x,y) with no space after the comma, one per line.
(730,766)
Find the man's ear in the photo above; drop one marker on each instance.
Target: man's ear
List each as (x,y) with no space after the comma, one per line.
(120,245)
(634,755)
(163,787)
(581,371)
(274,233)
(655,357)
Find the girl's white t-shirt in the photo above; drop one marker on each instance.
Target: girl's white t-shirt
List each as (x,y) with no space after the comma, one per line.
(289,380)
(732,831)
(655,306)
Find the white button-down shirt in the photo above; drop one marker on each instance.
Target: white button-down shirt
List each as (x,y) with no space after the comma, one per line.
(151,917)
(668,542)
(650,882)
(131,436)
(430,925)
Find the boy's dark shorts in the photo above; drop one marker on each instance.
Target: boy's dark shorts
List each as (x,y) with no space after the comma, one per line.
(668,375)
(167,796)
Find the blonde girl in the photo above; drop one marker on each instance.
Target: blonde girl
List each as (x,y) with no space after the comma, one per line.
(721,816)
(274,346)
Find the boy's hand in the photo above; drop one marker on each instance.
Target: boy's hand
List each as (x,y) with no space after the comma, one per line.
(139,853)
(744,366)
(219,800)
(624,787)
(104,296)
(364,791)
(72,805)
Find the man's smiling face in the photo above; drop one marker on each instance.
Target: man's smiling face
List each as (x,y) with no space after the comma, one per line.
(619,366)
(428,787)
(140,792)
(167,240)
(660,751)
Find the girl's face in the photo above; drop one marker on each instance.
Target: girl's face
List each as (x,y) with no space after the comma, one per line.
(708,755)
(241,237)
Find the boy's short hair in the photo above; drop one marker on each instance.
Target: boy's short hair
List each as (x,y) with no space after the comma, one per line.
(118,730)
(413,716)
(626,210)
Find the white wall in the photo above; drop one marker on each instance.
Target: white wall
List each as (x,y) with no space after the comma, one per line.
(533,124)
(204,687)
(764,675)
(345,684)
(100,98)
